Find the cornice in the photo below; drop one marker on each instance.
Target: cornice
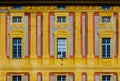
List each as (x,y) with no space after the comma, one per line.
(56,2)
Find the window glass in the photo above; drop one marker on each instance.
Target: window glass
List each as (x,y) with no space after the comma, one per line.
(106,7)
(17,19)
(106,47)
(106,78)
(106,19)
(61,7)
(61,19)
(61,47)
(61,78)
(17,47)
(16,78)
(17,7)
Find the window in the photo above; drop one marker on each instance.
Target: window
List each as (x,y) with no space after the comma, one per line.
(61,19)
(106,7)
(17,7)
(106,19)
(17,19)
(17,47)
(61,47)
(106,78)
(106,47)
(61,78)
(17,78)
(61,7)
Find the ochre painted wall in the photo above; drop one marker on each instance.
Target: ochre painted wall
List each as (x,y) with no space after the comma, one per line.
(44,64)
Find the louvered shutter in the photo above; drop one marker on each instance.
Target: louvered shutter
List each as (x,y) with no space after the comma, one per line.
(39,77)
(115,77)
(52,77)
(97,77)
(8,77)
(84,77)
(26,77)
(71,77)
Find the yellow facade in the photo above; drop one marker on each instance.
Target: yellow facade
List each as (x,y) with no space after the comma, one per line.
(45,65)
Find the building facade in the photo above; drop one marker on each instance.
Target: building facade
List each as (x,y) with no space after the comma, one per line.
(59,43)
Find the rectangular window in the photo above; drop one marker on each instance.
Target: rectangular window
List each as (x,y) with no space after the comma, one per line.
(106,7)
(17,19)
(17,47)
(16,78)
(106,44)
(61,47)
(61,7)
(61,78)
(61,19)
(17,7)
(106,78)
(106,19)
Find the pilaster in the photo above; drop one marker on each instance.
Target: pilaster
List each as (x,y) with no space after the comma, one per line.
(3,35)
(77,35)
(45,35)
(45,76)
(33,35)
(118,38)
(90,50)
(77,76)
(90,76)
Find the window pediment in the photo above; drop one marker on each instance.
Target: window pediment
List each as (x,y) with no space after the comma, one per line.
(61,32)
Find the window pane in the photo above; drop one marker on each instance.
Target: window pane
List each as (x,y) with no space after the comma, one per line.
(61,7)
(61,19)
(16,78)
(61,47)
(16,48)
(17,19)
(106,7)
(61,78)
(17,7)
(106,19)
(106,47)
(106,78)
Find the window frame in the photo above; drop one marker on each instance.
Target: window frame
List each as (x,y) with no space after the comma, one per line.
(61,19)
(17,77)
(17,45)
(16,74)
(16,7)
(106,77)
(106,48)
(104,34)
(106,19)
(56,79)
(106,74)
(62,77)
(62,34)
(17,19)
(106,7)
(17,34)
(61,7)
(61,49)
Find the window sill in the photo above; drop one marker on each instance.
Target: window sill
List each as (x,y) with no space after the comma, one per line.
(16,58)
(106,58)
(106,25)
(17,25)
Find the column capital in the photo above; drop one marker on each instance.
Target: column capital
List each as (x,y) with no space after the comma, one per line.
(90,13)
